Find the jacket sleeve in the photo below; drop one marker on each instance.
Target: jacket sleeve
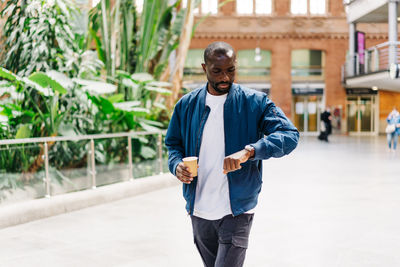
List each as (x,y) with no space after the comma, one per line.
(280,135)
(174,141)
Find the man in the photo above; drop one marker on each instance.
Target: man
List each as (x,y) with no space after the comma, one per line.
(224,125)
(326,125)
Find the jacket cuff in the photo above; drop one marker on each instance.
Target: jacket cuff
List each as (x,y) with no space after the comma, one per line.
(175,165)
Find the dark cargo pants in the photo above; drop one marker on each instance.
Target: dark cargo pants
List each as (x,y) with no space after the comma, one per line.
(223,242)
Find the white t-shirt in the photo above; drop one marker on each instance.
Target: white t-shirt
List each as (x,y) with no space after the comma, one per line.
(212,191)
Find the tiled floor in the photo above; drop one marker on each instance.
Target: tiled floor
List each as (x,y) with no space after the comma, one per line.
(327,204)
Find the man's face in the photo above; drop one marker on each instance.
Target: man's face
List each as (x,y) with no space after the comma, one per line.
(220,71)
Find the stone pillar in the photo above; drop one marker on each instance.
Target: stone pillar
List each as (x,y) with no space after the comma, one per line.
(281,80)
(281,7)
(392,23)
(351,63)
(229,9)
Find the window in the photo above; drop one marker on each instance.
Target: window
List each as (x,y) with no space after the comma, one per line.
(205,7)
(308,7)
(249,7)
(254,65)
(308,64)
(192,70)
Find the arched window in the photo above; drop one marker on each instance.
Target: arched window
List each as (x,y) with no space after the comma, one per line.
(250,7)
(308,7)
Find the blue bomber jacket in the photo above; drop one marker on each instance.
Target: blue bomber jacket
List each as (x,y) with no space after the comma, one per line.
(250,117)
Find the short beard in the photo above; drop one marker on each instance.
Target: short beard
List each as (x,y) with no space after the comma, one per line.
(221,91)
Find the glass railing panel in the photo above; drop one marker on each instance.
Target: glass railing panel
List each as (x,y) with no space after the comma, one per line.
(145,155)
(21,173)
(111,158)
(69,166)
(165,168)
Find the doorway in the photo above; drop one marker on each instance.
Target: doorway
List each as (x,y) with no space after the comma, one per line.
(360,114)
(307,112)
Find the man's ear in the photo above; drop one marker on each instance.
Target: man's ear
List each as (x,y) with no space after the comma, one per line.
(204,67)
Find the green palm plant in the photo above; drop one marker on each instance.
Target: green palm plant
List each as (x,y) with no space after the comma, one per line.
(136,49)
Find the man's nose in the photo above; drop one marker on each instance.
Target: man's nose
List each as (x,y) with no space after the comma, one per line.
(225,77)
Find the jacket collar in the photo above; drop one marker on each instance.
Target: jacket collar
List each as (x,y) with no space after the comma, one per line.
(203,93)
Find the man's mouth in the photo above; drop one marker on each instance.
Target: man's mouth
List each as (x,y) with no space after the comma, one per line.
(223,85)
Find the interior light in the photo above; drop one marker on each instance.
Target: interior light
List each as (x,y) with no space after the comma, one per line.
(257,57)
(375,88)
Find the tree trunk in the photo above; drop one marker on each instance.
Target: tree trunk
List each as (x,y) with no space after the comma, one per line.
(177,73)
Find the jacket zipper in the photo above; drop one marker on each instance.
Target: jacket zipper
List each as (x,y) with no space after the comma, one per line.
(191,207)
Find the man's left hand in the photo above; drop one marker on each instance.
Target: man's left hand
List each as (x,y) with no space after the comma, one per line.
(232,162)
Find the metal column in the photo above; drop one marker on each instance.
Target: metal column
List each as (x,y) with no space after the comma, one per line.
(392,23)
(160,153)
(130,164)
(46,167)
(351,68)
(93,163)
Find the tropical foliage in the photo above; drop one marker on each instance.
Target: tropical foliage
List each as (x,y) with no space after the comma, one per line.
(67,72)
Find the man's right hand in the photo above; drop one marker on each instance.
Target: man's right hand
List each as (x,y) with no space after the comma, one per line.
(183,174)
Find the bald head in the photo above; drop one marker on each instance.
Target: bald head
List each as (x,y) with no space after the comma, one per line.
(218,49)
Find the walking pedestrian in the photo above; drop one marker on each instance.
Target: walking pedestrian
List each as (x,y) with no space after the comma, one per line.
(231,129)
(326,125)
(393,129)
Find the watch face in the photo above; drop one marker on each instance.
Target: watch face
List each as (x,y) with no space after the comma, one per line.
(394,71)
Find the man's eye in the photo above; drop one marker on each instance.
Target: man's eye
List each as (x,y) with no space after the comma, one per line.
(231,70)
(216,71)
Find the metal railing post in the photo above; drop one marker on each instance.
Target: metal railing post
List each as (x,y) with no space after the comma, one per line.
(46,167)
(160,166)
(130,164)
(93,162)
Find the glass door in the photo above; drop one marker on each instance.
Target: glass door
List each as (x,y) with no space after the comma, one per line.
(360,114)
(299,113)
(306,112)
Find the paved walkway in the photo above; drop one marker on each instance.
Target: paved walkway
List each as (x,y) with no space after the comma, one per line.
(334,204)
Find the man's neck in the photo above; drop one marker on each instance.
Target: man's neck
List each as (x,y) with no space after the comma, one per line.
(212,91)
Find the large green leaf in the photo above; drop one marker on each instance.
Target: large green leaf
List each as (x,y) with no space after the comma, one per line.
(45,81)
(66,129)
(142,77)
(8,75)
(147,152)
(61,78)
(45,91)
(160,84)
(97,88)
(23,132)
(116,98)
(106,106)
(158,90)
(148,127)
(127,106)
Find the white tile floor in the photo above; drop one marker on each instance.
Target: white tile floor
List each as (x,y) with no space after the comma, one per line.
(325,205)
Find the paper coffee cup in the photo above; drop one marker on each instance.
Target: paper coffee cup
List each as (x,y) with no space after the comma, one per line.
(191,163)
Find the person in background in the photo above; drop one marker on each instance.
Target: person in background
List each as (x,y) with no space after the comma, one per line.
(393,129)
(326,125)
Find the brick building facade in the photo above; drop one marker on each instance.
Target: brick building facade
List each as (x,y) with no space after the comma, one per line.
(282,33)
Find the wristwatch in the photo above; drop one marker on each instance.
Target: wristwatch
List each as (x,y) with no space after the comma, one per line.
(250,149)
